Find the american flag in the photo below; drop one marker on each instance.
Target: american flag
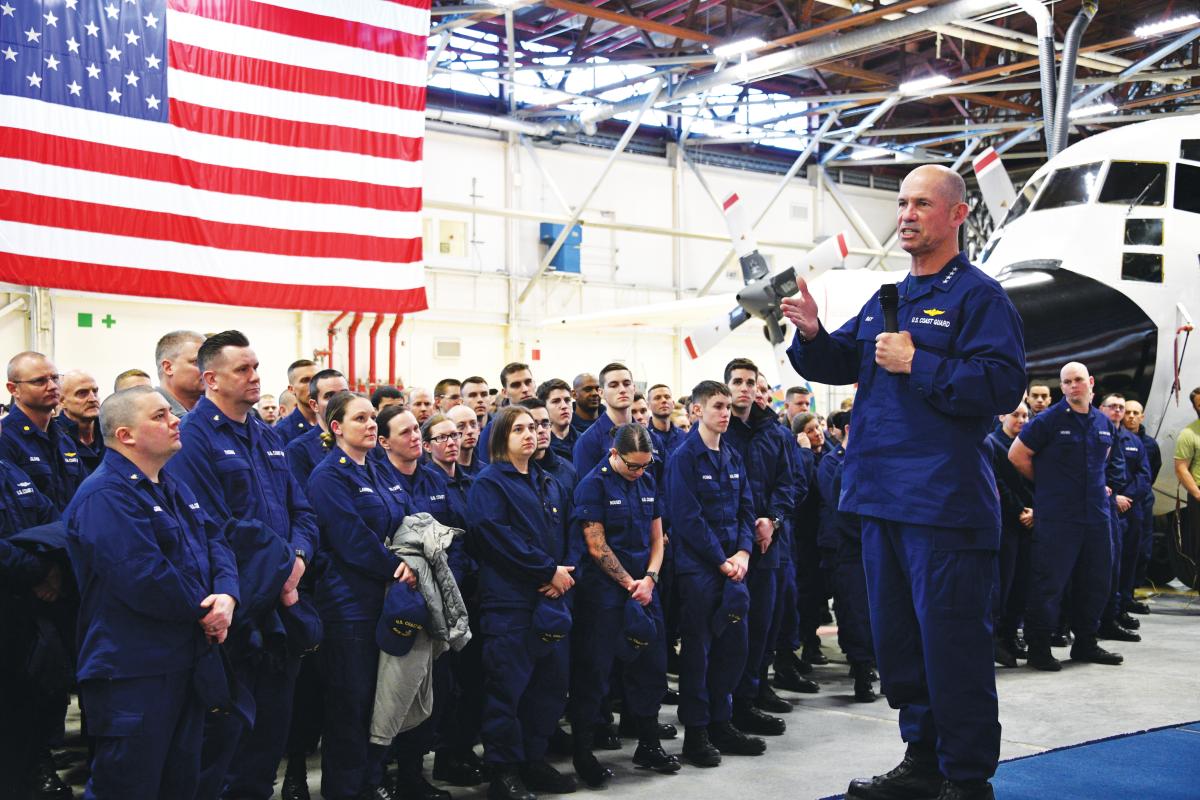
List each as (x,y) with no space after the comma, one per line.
(248,152)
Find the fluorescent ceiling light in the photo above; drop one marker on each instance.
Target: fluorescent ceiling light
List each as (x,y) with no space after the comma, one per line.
(871,152)
(1167,25)
(1092,111)
(922,84)
(738,48)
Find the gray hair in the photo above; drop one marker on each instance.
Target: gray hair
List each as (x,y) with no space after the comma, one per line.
(171,344)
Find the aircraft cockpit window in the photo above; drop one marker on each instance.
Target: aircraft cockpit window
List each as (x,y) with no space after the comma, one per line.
(1190,149)
(1071,186)
(1024,200)
(1144,232)
(1140,183)
(1147,267)
(1187,188)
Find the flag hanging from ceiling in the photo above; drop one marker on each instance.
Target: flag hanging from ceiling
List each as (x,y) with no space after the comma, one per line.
(246,152)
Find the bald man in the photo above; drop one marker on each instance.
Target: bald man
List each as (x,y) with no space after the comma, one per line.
(80,416)
(920,477)
(159,585)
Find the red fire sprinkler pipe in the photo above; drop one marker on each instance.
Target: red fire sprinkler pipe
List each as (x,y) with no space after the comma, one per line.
(350,333)
(371,375)
(332,331)
(392,349)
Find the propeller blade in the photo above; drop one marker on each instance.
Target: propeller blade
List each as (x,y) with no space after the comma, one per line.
(741,236)
(827,255)
(994,184)
(709,335)
(785,374)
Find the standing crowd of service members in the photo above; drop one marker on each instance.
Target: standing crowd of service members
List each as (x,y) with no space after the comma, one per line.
(428,571)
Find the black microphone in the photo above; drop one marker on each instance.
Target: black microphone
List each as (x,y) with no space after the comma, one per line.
(889,298)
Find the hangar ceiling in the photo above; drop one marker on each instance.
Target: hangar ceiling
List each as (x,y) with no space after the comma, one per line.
(865,84)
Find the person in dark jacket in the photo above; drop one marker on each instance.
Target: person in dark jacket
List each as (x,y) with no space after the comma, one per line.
(158,583)
(518,520)
(1135,415)
(1016,522)
(359,504)
(618,514)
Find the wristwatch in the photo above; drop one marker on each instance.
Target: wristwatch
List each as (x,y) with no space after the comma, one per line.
(777,522)
(652,575)
(301,554)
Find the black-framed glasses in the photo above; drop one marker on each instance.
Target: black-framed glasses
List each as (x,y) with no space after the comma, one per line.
(43,380)
(442,438)
(542,425)
(634,467)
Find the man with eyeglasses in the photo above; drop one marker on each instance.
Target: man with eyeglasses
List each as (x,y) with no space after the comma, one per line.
(467,425)
(447,394)
(79,417)
(28,441)
(1126,511)
(544,455)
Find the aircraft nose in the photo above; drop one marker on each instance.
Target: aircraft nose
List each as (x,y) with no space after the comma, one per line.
(1071,317)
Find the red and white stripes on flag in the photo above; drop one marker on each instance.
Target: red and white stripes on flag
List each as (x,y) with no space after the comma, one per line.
(288,175)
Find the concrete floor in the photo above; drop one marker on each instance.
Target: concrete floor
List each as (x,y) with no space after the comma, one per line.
(832,739)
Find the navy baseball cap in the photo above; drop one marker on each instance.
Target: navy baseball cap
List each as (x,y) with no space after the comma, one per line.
(735,606)
(640,631)
(551,623)
(405,616)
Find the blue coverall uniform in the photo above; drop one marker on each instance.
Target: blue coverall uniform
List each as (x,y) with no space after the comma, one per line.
(593,444)
(23,734)
(145,554)
(1128,525)
(357,507)
(92,453)
(291,426)
(239,471)
(561,469)
(627,510)
(565,447)
(519,526)
(712,518)
(920,476)
(1146,538)
(1075,457)
(1016,495)
(48,457)
(849,580)
(766,453)
(304,453)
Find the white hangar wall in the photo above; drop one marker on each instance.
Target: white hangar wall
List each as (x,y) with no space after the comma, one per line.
(480,259)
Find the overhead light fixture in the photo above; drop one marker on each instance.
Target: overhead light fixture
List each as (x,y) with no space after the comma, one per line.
(1166,26)
(923,84)
(1092,111)
(737,48)
(871,152)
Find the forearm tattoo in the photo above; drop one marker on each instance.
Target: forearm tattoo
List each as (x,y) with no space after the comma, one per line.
(602,554)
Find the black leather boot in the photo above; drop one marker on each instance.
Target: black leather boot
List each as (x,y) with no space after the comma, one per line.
(697,748)
(506,785)
(448,767)
(649,753)
(46,783)
(589,770)
(864,685)
(539,776)
(770,702)
(915,778)
(295,779)
(966,790)
(727,738)
(751,720)
(1087,651)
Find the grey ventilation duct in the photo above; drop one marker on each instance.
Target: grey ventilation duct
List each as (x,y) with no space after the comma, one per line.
(1056,138)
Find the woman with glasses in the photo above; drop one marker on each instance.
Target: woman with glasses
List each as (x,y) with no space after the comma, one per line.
(618,511)
(460,708)
(358,505)
(517,519)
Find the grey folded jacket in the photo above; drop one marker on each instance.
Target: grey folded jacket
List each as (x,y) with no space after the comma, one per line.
(404,685)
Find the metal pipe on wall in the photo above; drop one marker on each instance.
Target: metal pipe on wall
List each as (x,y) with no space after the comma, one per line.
(392,349)
(372,375)
(332,331)
(351,347)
